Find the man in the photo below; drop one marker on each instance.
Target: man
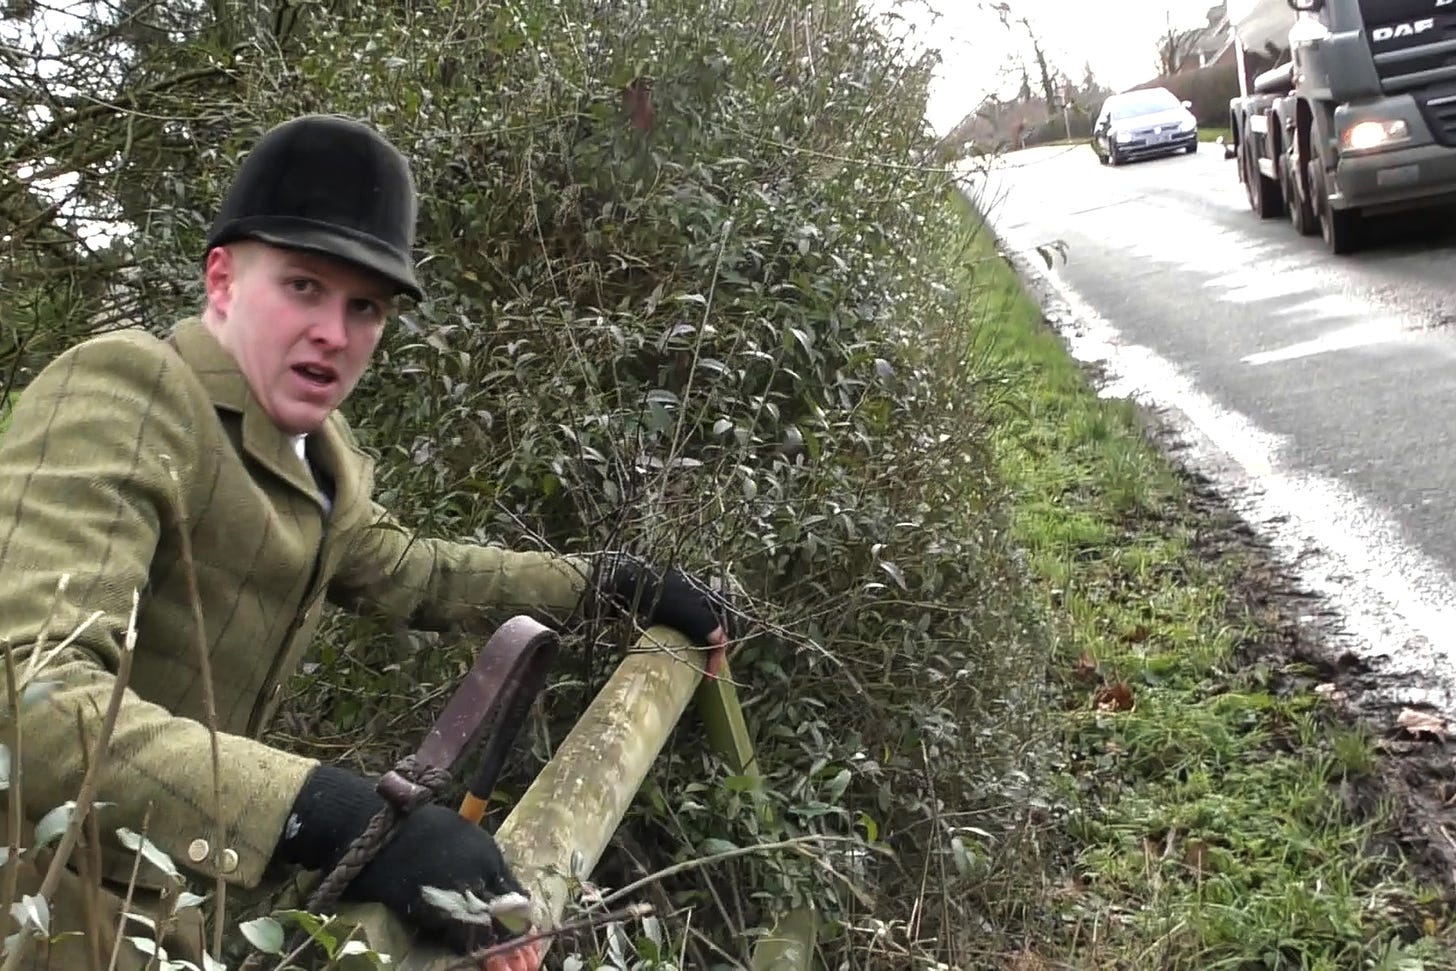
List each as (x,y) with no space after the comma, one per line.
(127,451)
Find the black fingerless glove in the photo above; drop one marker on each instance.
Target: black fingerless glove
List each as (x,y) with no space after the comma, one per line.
(675,600)
(433,847)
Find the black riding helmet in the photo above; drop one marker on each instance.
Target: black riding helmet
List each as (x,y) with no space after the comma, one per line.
(327,185)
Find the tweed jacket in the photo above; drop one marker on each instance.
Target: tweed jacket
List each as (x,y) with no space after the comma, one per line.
(114,451)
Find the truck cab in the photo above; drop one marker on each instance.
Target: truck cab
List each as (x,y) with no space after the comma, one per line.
(1347,108)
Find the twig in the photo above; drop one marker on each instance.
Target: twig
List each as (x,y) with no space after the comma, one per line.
(136,866)
(476,958)
(89,863)
(204,666)
(88,781)
(37,651)
(12,862)
(33,666)
(696,862)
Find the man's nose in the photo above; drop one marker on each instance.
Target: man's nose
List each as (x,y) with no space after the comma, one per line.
(330,328)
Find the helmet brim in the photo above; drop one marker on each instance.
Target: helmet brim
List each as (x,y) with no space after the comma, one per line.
(357,252)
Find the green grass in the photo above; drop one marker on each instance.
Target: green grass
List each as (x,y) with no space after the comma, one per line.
(1205,826)
(1209,134)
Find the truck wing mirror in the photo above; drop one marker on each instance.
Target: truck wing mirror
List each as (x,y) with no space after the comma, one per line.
(1307,6)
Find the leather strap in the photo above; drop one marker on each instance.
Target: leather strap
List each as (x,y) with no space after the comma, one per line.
(492,701)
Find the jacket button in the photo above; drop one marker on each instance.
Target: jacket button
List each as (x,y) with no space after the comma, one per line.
(229,860)
(197,850)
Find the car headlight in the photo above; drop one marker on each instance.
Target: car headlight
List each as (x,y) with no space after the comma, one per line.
(1124,136)
(1373,134)
(1188,124)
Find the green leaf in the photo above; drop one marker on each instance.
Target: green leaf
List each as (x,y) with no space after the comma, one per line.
(149,850)
(315,927)
(144,944)
(961,855)
(839,783)
(53,824)
(264,933)
(355,948)
(32,911)
(713,846)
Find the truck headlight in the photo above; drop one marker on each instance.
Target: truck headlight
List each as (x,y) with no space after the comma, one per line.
(1373,134)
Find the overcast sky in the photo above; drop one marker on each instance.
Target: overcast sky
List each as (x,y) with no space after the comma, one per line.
(1118,37)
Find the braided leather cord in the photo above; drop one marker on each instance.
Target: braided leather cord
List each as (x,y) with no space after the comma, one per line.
(365,847)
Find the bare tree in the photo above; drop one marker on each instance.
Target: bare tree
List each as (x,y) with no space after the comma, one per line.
(1044,69)
(1175,47)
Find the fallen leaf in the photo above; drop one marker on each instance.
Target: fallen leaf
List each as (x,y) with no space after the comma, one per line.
(1422,722)
(1137,635)
(639,103)
(1330,691)
(1195,855)
(1087,667)
(1117,697)
(1027,961)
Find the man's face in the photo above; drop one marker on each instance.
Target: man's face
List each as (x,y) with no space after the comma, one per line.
(301,327)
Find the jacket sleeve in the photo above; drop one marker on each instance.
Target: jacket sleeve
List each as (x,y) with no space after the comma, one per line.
(435,584)
(86,488)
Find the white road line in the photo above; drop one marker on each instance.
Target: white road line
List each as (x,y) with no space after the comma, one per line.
(1395,602)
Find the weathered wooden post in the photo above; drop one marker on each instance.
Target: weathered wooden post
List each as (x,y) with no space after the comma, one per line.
(577,801)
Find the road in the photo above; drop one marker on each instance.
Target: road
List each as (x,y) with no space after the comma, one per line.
(1320,391)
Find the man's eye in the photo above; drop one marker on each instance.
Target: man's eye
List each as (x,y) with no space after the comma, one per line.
(366,308)
(303,284)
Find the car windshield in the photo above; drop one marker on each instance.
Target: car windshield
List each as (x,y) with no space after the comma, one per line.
(1142,103)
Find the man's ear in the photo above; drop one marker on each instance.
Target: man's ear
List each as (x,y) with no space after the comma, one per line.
(219,274)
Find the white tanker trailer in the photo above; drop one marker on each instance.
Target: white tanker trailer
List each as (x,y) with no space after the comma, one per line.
(1346,108)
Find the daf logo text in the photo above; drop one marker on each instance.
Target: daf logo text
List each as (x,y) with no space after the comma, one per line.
(1409,29)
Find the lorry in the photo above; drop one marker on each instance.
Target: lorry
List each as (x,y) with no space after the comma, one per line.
(1346,109)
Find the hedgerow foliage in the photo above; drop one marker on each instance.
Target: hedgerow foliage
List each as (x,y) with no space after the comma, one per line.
(687,270)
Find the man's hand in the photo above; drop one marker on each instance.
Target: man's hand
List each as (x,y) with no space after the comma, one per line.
(527,957)
(676,600)
(433,847)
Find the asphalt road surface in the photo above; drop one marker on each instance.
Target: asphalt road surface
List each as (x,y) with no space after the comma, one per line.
(1319,390)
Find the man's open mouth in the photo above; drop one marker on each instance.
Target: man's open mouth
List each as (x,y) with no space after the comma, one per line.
(317,374)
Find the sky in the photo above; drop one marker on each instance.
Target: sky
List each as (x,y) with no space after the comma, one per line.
(1119,39)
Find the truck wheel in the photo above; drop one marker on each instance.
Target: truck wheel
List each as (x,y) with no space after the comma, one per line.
(1301,213)
(1342,229)
(1264,195)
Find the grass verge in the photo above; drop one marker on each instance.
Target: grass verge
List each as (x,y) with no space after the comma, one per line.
(1216,812)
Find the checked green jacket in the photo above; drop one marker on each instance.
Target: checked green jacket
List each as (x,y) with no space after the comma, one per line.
(113,451)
